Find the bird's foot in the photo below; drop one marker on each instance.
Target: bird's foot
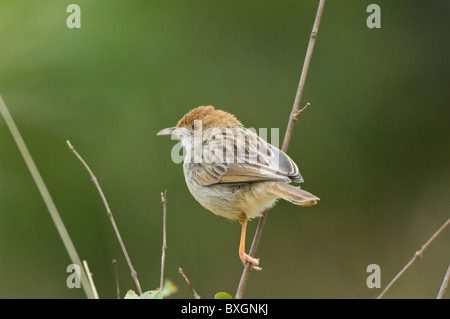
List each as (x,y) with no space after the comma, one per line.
(247,258)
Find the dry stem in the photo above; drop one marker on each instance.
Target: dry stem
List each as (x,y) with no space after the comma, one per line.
(108,210)
(196,295)
(301,84)
(417,256)
(444,285)
(116,275)
(91,281)
(45,194)
(164,245)
(287,138)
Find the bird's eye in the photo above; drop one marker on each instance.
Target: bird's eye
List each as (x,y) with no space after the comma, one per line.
(195,126)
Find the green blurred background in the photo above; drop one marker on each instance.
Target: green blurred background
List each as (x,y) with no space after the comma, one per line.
(374,145)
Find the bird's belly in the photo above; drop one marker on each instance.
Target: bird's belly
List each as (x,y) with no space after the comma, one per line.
(232,202)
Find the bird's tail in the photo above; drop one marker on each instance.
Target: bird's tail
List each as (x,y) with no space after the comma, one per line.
(293,194)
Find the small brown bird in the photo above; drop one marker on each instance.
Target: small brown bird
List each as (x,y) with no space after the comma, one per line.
(233,172)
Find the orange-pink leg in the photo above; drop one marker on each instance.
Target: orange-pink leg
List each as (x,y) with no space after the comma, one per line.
(244,257)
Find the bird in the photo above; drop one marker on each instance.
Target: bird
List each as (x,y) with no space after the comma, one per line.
(232,171)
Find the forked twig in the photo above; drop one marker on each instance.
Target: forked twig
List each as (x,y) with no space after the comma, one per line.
(287,138)
(164,245)
(298,112)
(196,295)
(301,84)
(416,256)
(111,218)
(45,194)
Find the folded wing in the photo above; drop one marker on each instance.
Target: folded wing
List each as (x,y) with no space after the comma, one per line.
(240,156)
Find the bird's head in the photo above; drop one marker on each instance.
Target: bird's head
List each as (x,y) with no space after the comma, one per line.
(201,118)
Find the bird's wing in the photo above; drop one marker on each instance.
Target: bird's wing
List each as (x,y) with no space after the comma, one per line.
(243,157)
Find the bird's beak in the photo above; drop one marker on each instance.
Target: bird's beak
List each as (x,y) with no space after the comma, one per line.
(167,131)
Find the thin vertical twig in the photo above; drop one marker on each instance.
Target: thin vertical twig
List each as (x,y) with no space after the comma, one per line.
(110,215)
(416,256)
(287,138)
(164,245)
(45,194)
(91,281)
(116,275)
(444,285)
(196,295)
(301,84)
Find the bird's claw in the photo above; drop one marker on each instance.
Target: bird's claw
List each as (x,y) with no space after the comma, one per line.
(254,261)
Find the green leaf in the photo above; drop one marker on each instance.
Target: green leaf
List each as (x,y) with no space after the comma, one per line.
(169,288)
(222,295)
(151,294)
(131,295)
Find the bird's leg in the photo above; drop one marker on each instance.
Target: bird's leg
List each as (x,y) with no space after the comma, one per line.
(244,257)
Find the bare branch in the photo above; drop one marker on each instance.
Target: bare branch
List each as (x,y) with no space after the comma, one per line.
(196,295)
(444,285)
(116,275)
(417,256)
(110,215)
(164,245)
(301,84)
(91,281)
(45,194)
(287,138)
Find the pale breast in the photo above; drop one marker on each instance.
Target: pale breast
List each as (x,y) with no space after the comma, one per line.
(231,201)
